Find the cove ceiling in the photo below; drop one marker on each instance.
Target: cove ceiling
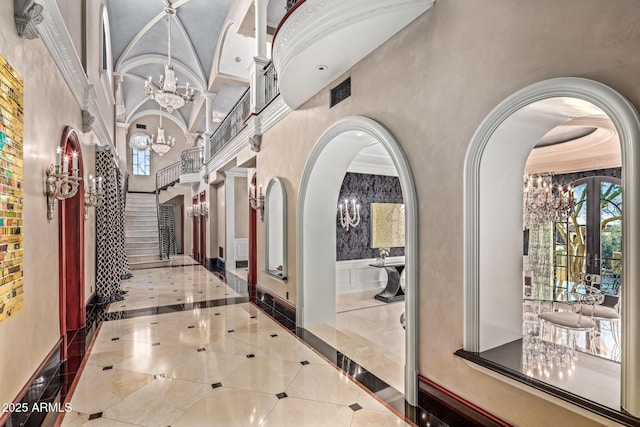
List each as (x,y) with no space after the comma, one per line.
(138,35)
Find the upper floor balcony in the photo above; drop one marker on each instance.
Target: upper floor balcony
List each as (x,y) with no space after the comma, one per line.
(318,40)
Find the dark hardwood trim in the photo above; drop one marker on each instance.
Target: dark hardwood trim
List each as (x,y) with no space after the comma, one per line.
(55,351)
(283,20)
(589,405)
(463,411)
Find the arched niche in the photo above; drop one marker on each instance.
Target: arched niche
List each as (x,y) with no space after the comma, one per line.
(275,217)
(493,213)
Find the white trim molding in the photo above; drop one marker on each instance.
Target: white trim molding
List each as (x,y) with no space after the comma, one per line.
(305,198)
(625,119)
(56,38)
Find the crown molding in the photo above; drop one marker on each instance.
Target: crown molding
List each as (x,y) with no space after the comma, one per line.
(52,30)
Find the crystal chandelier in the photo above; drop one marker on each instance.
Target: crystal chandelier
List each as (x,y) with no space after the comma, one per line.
(139,141)
(166,94)
(162,145)
(545,201)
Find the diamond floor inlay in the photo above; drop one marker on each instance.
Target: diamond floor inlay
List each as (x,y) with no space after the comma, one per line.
(144,371)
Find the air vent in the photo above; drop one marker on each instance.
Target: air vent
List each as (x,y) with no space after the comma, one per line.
(140,126)
(341,92)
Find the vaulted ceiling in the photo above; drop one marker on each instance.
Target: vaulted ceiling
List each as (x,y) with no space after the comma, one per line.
(208,51)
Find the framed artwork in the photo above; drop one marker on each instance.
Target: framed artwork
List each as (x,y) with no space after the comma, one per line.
(387,225)
(11,190)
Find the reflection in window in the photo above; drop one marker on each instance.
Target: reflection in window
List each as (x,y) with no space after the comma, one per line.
(141,161)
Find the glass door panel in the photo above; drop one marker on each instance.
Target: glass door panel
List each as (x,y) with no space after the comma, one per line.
(610,250)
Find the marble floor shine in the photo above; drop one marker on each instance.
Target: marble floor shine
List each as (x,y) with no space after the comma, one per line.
(229,365)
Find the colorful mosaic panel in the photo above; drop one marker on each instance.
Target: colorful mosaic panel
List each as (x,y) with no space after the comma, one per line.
(11,197)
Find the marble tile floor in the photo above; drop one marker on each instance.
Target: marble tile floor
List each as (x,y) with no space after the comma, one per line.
(182,284)
(221,366)
(370,334)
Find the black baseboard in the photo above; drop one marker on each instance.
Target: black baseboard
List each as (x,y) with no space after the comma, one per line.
(215,264)
(283,313)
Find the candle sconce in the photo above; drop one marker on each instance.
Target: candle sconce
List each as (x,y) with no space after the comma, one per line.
(61,185)
(191,212)
(203,209)
(94,196)
(257,204)
(349,218)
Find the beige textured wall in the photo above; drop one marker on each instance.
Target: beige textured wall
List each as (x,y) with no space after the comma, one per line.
(241,208)
(431,85)
(27,337)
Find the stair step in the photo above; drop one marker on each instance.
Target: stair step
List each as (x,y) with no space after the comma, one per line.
(143,258)
(149,264)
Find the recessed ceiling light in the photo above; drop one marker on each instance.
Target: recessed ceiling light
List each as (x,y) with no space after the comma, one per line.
(321,67)
(237,59)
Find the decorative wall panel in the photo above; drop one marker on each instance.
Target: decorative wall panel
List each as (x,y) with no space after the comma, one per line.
(367,189)
(112,264)
(11,196)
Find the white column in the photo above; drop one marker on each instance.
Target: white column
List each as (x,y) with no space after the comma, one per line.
(256,67)
(260,8)
(121,144)
(209,97)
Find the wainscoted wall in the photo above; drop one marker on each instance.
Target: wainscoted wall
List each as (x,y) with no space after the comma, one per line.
(367,189)
(358,275)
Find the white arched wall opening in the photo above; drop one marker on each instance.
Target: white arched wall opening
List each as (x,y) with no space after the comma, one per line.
(316,234)
(493,183)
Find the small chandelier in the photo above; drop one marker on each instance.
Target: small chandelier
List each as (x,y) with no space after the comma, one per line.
(166,93)
(139,141)
(162,145)
(545,201)
(349,218)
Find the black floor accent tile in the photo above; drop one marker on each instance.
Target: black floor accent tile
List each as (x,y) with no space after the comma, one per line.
(191,327)
(252,317)
(231,330)
(216,385)
(250,356)
(201,349)
(274,335)
(115,339)
(95,416)
(154,323)
(281,395)
(155,344)
(355,407)
(304,363)
(216,314)
(106,368)
(157,376)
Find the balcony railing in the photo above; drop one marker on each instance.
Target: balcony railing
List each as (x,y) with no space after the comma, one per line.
(291,3)
(191,161)
(167,176)
(231,125)
(271,89)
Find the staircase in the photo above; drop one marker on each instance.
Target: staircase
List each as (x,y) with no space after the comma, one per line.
(141,230)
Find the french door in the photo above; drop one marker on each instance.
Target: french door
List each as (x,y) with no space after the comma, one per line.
(590,241)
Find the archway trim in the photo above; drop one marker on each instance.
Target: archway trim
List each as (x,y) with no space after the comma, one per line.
(381,134)
(625,118)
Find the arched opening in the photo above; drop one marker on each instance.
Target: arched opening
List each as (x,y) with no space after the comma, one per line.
(71,248)
(493,224)
(316,229)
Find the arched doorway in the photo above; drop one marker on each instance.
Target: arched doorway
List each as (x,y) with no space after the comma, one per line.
(316,236)
(71,247)
(493,179)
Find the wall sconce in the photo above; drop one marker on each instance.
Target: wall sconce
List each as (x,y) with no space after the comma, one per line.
(257,204)
(190,212)
(349,218)
(59,184)
(93,197)
(203,209)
